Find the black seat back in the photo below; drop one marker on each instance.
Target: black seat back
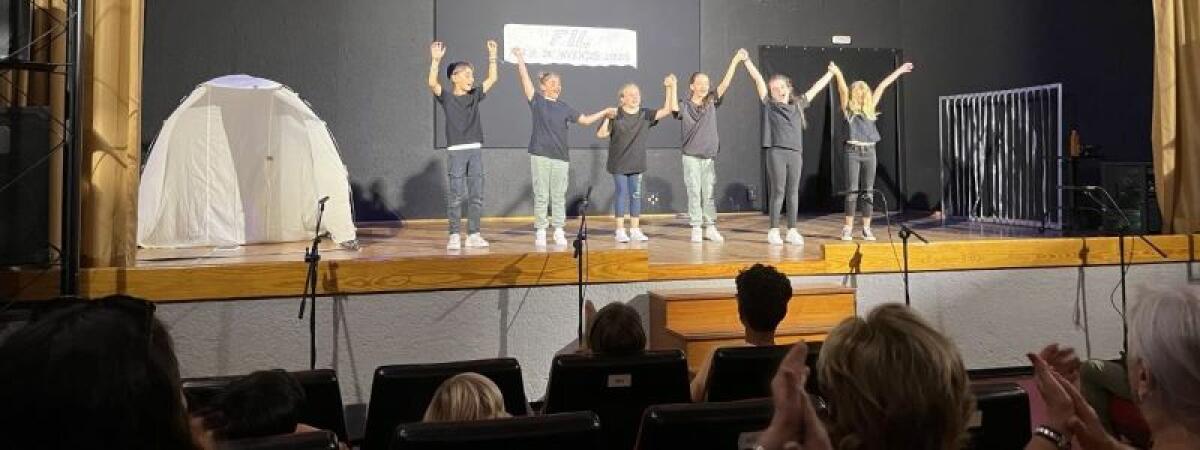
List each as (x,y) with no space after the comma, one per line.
(739,373)
(580,430)
(401,393)
(618,389)
(1001,419)
(323,407)
(714,425)
(317,440)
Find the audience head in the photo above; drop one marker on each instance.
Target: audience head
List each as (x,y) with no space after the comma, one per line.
(892,381)
(466,396)
(1164,358)
(617,330)
(762,296)
(263,403)
(96,374)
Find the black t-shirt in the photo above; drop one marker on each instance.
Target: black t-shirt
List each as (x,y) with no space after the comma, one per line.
(462,116)
(783,123)
(627,141)
(549,135)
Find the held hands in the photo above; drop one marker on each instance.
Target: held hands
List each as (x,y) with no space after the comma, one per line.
(437,50)
(491,48)
(834,69)
(741,55)
(519,53)
(670,80)
(610,113)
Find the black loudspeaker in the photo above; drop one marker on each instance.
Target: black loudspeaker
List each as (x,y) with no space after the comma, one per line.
(24,186)
(1132,186)
(16,20)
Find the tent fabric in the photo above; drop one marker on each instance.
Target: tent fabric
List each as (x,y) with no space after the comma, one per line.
(242,160)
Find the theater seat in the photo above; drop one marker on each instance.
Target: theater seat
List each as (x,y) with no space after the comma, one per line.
(1001,420)
(701,426)
(318,440)
(580,430)
(322,409)
(739,373)
(617,388)
(401,393)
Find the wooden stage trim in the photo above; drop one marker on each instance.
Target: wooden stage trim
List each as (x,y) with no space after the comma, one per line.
(403,262)
(880,257)
(286,279)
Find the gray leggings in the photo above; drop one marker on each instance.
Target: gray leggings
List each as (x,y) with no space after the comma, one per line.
(860,175)
(783,169)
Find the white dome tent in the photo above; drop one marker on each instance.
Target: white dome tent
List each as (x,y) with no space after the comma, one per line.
(242,160)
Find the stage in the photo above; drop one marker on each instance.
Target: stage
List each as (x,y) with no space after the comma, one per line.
(411,256)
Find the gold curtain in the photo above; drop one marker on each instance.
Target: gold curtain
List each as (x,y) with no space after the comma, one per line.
(111,131)
(1176,127)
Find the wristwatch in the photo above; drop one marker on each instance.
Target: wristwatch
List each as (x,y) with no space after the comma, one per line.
(1053,436)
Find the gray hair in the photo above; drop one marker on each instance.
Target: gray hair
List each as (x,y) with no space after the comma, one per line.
(1164,332)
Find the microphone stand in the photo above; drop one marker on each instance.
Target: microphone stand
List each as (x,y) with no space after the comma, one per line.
(904,234)
(579,244)
(1122,231)
(312,256)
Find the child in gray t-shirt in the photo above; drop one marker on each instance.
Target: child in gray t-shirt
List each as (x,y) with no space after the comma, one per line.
(627,131)
(549,150)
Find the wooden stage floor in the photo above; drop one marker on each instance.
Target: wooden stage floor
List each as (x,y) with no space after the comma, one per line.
(411,256)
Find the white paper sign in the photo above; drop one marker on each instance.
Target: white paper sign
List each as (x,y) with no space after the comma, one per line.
(576,46)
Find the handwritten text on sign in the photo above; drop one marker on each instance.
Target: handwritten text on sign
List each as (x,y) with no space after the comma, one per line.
(576,46)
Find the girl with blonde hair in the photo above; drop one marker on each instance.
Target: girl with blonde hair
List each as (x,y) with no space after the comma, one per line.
(466,396)
(860,108)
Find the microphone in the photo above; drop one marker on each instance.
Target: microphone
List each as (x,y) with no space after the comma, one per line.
(1085,187)
(853,191)
(587,198)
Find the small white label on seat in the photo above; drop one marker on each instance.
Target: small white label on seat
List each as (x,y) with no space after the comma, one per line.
(620,380)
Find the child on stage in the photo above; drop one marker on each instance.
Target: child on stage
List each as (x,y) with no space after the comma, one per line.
(626,133)
(464,140)
(549,152)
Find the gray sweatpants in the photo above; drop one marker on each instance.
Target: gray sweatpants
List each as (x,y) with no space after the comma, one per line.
(783,169)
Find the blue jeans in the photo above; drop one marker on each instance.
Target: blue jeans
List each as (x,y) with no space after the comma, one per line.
(628,196)
(465,170)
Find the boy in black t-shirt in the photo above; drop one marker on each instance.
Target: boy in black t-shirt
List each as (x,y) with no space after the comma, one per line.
(464,140)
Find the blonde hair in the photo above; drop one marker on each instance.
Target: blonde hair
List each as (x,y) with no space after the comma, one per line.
(864,107)
(892,381)
(1164,333)
(466,396)
(787,80)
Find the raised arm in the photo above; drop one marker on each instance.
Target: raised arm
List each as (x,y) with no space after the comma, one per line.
(891,78)
(493,74)
(588,119)
(436,51)
(738,57)
(526,83)
(671,102)
(820,84)
(843,89)
(760,85)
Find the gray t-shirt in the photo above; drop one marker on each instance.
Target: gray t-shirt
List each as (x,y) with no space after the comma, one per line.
(462,116)
(862,129)
(699,127)
(549,135)
(627,141)
(783,123)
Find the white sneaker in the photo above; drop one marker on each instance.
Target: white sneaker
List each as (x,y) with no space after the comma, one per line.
(773,237)
(847,234)
(637,235)
(794,237)
(713,235)
(475,240)
(560,238)
(868,235)
(539,237)
(620,236)
(455,242)
(697,234)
